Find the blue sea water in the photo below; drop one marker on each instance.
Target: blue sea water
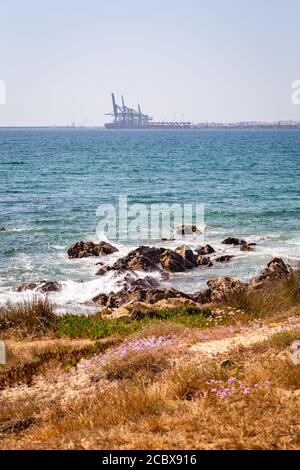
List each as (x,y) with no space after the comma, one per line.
(53,180)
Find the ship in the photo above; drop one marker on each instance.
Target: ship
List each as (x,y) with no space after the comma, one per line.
(129,118)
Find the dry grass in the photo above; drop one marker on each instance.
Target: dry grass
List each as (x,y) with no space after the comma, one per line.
(33,317)
(279,298)
(177,408)
(167,398)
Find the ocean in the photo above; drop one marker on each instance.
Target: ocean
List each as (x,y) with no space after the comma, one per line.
(53,180)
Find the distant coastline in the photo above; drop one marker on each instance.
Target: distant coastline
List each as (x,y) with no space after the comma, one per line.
(198,126)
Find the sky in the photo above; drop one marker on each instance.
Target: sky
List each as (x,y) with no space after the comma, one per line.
(213,60)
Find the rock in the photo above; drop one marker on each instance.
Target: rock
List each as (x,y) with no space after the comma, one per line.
(2,229)
(144,258)
(205,250)
(104,311)
(224,259)
(202,297)
(174,302)
(187,229)
(247,248)
(41,286)
(190,259)
(234,241)
(103,270)
(222,286)
(204,261)
(138,292)
(117,314)
(85,249)
(100,299)
(276,269)
(172,262)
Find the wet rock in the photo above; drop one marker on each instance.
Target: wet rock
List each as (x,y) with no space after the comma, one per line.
(100,299)
(2,229)
(144,258)
(190,259)
(172,262)
(224,259)
(103,270)
(222,287)
(85,249)
(234,241)
(205,250)
(202,297)
(204,261)
(188,229)
(41,286)
(276,269)
(247,248)
(142,290)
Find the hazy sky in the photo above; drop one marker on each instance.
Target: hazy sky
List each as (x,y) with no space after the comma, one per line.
(213,60)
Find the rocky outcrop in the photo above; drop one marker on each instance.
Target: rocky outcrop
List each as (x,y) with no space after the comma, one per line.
(142,290)
(276,269)
(222,287)
(86,249)
(204,261)
(189,258)
(224,259)
(234,241)
(144,258)
(41,286)
(205,250)
(172,262)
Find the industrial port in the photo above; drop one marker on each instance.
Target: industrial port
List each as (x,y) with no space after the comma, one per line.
(129,118)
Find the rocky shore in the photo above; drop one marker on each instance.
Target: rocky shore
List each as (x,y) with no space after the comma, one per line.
(139,291)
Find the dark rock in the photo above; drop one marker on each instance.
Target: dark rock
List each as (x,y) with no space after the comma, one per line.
(247,248)
(205,250)
(234,241)
(86,249)
(202,297)
(276,269)
(204,261)
(41,286)
(144,258)
(172,262)
(224,259)
(104,269)
(100,299)
(190,259)
(2,229)
(141,290)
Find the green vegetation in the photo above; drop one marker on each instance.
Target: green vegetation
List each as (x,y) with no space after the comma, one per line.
(94,327)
